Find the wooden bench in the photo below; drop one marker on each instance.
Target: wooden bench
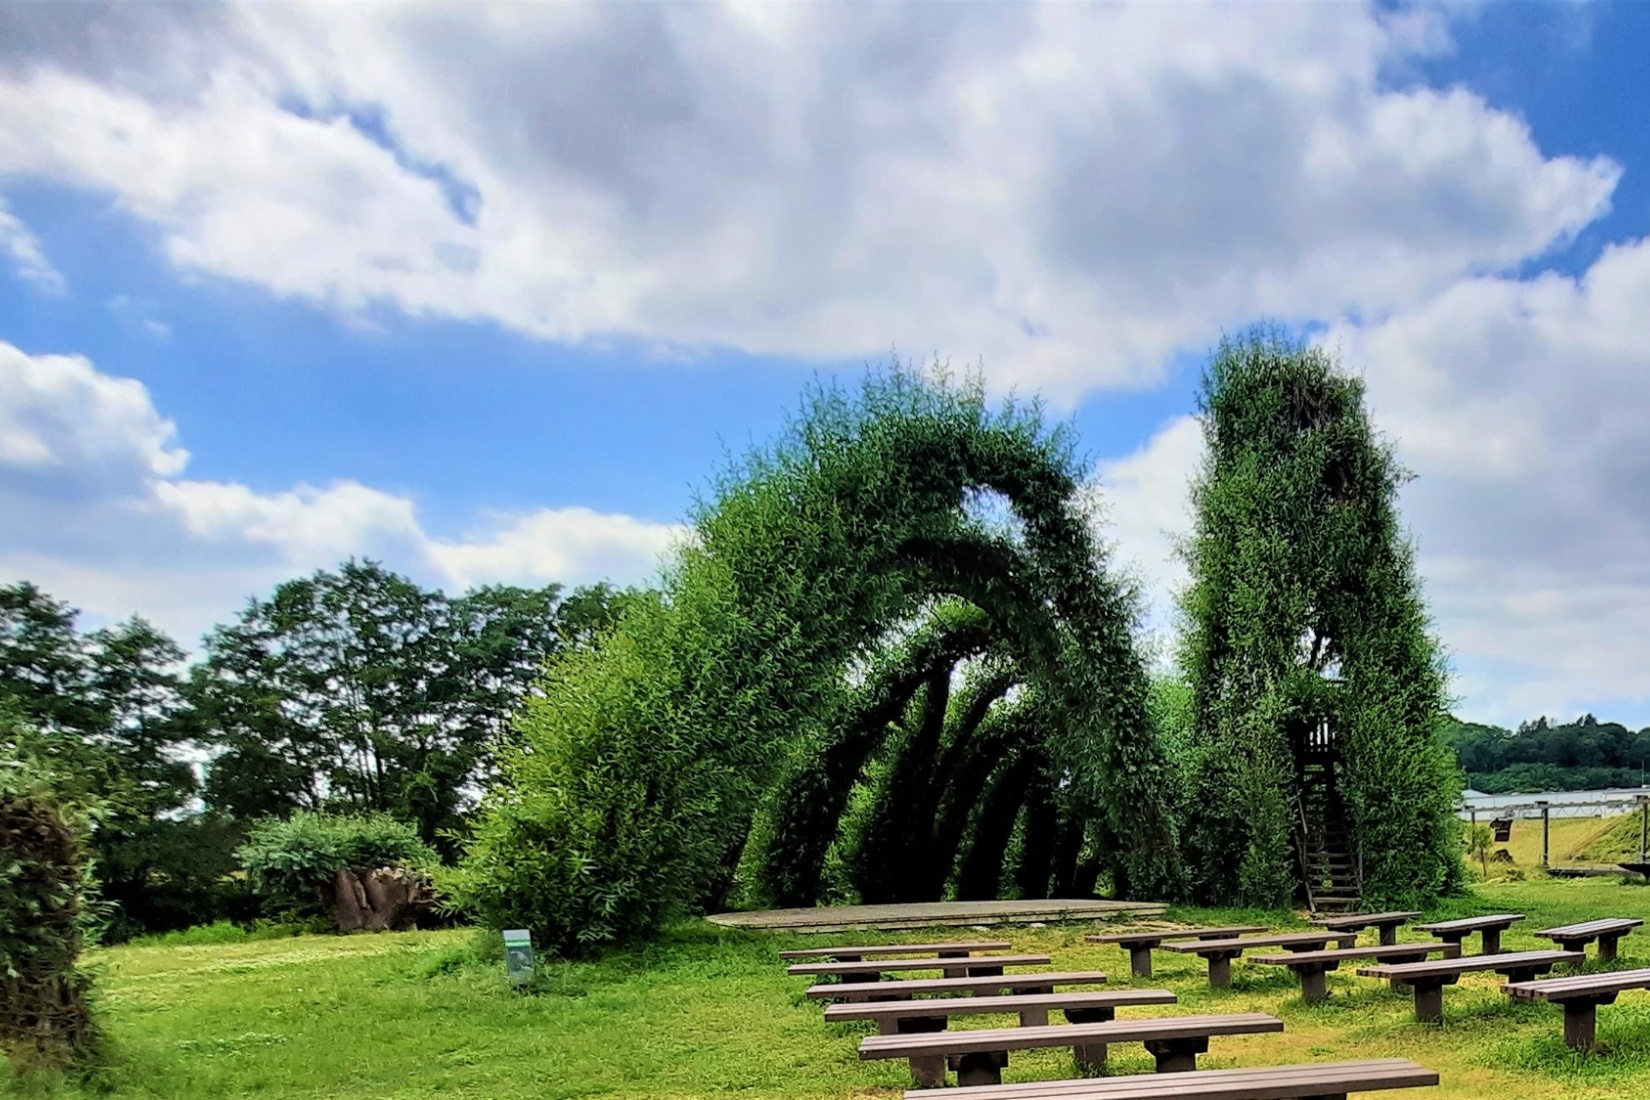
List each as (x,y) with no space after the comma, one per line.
(858,953)
(1386,924)
(934,1013)
(1220,953)
(978,1056)
(972,966)
(1318,1081)
(1428,979)
(1455,931)
(985,985)
(1311,966)
(1580,996)
(1140,945)
(1608,932)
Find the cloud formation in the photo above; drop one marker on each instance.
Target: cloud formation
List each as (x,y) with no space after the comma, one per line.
(1069,192)
(98,513)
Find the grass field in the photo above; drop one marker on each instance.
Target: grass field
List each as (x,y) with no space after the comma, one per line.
(710,1012)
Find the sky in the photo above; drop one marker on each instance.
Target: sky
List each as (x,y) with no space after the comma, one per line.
(488,292)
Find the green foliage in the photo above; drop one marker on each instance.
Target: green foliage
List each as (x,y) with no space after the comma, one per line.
(1544,756)
(1303,607)
(358,689)
(45,1018)
(292,862)
(644,763)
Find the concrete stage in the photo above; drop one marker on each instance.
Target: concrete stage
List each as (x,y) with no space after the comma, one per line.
(938,914)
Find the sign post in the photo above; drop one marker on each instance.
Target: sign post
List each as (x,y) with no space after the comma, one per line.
(518,956)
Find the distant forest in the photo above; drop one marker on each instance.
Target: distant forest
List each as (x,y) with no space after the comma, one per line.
(1539,756)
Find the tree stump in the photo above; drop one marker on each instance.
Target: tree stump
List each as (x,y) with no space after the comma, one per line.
(380,899)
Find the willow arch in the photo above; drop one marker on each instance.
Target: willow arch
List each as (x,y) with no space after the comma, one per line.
(644,764)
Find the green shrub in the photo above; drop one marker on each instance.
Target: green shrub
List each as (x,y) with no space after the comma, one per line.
(293,862)
(45,1019)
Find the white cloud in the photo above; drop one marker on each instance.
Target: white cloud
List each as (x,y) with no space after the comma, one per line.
(1070,192)
(27,258)
(1147,511)
(98,513)
(1522,405)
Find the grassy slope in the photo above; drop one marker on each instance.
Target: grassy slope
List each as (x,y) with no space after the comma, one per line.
(710,1013)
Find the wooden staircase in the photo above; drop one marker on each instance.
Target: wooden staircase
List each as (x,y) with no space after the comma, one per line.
(1330,866)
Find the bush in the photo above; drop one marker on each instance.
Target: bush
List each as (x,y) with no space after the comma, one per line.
(294,863)
(45,1020)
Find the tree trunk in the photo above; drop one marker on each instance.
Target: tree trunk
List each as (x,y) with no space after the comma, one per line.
(378,900)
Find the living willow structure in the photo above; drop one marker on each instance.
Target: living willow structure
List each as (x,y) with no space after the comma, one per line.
(889,659)
(1316,762)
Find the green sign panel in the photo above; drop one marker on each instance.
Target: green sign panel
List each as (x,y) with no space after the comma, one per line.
(518,955)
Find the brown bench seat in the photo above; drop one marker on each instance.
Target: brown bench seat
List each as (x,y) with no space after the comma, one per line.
(856,953)
(1580,995)
(1317,1081)
(1490,927)
(986,985)
(979,1056)
(1220,953)
(1608,932)
(871,970)
(1428,979)
(1140,945)
(933,1013)
(1387,924)
(1311,966)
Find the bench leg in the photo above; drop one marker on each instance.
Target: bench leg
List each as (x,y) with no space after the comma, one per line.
(1313,987)
(983,1068)
(1607,947)
(1429,1001)
(1452,946)
(1580,1020)
(1033,1017)
(955,971)
(1140,960)
(985,971)
(1220,971)
(1177,1055)
(861,976)
(1389,935)
(1091,1058)
(1492,941)
(928,1071)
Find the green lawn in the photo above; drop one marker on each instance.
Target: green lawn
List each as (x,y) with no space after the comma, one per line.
(711,1013)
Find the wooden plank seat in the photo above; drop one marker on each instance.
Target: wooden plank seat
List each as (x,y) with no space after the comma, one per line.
(1386,924)
(1220,953)
(934,1013)
(855,953)
(1608,932)
(978,1056)
(983,985)
(1316,1081)
(1140,945)
(1580,995)
(1427,979)
(872,970)
(1490,927)
(1311,966)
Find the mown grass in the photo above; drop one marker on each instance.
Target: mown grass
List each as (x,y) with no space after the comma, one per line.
(710,1012)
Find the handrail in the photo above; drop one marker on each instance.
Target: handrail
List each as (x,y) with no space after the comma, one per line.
(1300,849)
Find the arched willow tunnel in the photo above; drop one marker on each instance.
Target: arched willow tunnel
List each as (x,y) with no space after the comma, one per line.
(892,641)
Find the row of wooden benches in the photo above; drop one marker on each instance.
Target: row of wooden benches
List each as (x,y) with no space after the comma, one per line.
(912,1020)
(1407,967)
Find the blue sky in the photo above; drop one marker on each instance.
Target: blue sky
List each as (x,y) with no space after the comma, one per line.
(398,292)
